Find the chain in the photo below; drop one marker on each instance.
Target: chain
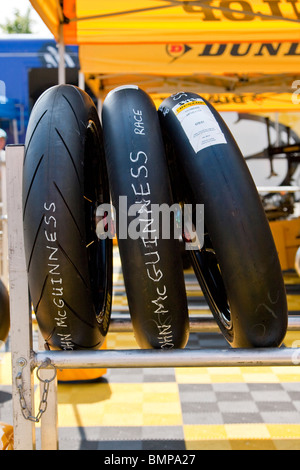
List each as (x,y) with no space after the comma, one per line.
(43,403)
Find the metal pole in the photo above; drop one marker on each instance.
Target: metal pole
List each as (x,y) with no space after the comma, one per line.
(278,189)
(61,51)
(4,240)
(198,324)
(20,314)
(294,323)
(171,358)
(81,80)
(49,420)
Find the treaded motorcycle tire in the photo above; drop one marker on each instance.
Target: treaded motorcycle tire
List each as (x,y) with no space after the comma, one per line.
(64,180)
(242,261)
(4,312)
(152,267)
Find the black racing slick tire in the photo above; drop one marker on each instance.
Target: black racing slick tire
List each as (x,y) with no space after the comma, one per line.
(4,312)
(237,266)
(64,181)
(151,264)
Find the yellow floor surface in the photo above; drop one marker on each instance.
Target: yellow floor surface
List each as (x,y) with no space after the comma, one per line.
(224,408)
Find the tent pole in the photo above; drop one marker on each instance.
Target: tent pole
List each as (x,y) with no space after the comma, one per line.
(277,128)
(99,107)
(61,51)
(81,80)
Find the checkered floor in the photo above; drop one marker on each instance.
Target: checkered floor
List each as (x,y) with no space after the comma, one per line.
(177,408)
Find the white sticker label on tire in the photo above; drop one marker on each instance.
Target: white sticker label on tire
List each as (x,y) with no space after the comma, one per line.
(199,124)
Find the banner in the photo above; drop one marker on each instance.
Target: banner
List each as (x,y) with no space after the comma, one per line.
(186,59)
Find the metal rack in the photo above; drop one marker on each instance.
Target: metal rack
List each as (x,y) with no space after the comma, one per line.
(26,361)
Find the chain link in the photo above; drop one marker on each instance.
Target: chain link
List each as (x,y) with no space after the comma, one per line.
(43,403)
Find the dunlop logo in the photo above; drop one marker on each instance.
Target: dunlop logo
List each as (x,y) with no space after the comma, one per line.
(264,50)
(243,10)
(255,49)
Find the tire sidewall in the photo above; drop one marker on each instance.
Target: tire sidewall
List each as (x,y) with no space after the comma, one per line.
(218,177)
(55,219)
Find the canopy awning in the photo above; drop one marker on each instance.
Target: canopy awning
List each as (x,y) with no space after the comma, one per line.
(242,47)
(245,102)
(171,21)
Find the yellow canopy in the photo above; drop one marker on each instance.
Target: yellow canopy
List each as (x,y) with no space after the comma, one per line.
(171,21)
(245,102)
(245,47)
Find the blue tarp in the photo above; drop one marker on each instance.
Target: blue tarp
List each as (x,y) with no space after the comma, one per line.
(8,109)
(20,54)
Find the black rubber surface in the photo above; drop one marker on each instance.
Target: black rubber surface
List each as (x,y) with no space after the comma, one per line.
(238,266)
(64,180)
(4,312)
(152,265)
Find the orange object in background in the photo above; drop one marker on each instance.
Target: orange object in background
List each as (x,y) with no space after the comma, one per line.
(6,437)
(81,375)
(286,234)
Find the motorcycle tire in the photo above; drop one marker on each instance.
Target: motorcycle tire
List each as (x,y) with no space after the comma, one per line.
(64,181)
(4,312)
(151,264)
(237,265)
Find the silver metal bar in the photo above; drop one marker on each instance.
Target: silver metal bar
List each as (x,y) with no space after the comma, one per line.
(171,358)
(192,308)
(20,315)
(278,189)
(49,420)
(4,237)
(294,323)
(61,51)
(198,324)
(122,324)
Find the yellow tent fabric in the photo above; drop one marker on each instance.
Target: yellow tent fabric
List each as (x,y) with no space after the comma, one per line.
(186,59)
(204,46)
(49,14)
(246,102)
(172,21)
